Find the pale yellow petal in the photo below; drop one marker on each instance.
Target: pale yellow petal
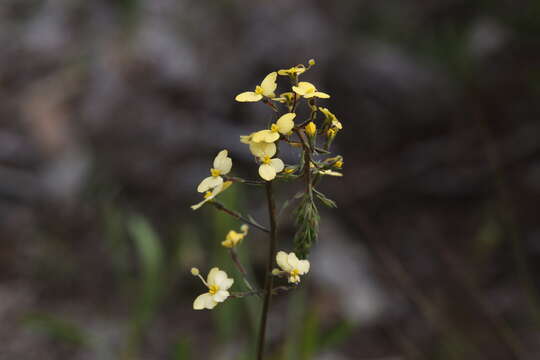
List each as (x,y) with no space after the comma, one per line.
(197,206)
(299,90)
(248,96)
(263,149)
(267,136)
(303,266)
(209,183)
(321,95)
(269,84)
(292,260)
(267,172)
(212,275)
(281,260)
(221,296)
(204,301)
(226,283)
(277,164)
(285,123)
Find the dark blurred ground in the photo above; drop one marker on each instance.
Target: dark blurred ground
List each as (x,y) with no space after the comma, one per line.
(111,112)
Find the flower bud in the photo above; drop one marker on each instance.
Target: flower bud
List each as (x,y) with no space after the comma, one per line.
(194,271)
(311,128)
(311,62)
(276,272)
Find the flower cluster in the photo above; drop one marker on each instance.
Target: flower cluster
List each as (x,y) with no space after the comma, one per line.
(312,138)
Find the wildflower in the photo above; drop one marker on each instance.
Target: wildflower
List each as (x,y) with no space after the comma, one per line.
(210,195)
(265,89)
(308,90)
(339,164)
(222,166)
(270,167)
(283,126)
(331,118)
(311,128)
(233,238)
(295,70)
(217,283)
(290,264)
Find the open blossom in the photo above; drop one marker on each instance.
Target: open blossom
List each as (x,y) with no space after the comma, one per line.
(283,126)
(308,90)
(222,166)
(210,195)
(218,285)
(290,264)
(270,167)
(233,238)
(265,89)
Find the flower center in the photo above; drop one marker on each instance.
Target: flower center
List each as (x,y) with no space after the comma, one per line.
(274,128)
(295,272)
(213,289)
(215,172)
(207,194)
(259,90)
(266,160)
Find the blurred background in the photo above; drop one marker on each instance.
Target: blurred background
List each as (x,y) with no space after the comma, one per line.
(112,111)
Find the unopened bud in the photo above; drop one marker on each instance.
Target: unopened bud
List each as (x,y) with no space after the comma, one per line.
(311,128)
(194,271)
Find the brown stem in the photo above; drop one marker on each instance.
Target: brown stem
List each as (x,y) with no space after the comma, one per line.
(269,277)
(237,215)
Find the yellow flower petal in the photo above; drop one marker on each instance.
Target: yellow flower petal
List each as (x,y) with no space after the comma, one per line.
(209,183)
(248,96)
(277,164)
(321,95)
(281,260)
(267,136)
(204,301)
(267,172)
(285,123)
(222,162)
(263,149)
(269,84)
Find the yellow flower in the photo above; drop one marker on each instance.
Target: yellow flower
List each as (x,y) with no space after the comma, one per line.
(218,285)
(233,238)
(210,195)
(222,166)
(311,128)
(295,70)
(331,133)
(332,119)
(270,167)
(308,90)
(311,62)
(283,126)
(339,164)
(265,89)
(290,264)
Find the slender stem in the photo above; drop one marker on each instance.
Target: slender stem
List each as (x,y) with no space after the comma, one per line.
(269,277)
(237,215)
(241,269)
